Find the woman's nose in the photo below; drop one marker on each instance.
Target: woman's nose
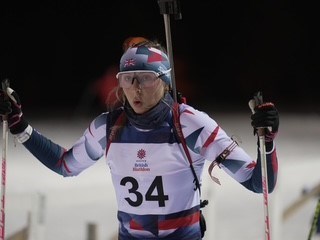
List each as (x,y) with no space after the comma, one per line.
(136,83)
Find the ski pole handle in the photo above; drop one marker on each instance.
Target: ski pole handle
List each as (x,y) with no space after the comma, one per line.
(5,85)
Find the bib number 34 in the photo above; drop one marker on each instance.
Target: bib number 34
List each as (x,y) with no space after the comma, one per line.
(154,193)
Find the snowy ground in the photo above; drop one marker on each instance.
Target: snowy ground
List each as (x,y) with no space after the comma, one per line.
(233,213)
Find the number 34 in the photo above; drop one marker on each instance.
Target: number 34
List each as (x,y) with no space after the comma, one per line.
(157,185)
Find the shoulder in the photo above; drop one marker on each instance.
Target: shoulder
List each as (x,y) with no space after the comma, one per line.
(190,115)
(104,121)
(195,122)
(98,124)
(107,117)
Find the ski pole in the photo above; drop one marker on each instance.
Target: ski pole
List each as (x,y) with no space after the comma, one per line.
(257,100)
(5,85)
(168,7)
(314,221)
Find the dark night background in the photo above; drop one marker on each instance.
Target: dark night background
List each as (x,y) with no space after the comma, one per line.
(224,51)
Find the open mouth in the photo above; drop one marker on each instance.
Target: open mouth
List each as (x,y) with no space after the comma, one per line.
(137,102)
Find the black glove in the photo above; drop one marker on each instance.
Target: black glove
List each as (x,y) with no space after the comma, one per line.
(10,105)
(266,115)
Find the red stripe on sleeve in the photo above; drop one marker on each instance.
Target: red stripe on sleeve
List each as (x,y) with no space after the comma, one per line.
(211,137)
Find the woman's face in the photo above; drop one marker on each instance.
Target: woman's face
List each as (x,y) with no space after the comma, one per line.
(142,98)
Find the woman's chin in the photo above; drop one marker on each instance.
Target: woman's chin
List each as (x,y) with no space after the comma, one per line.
(138,108)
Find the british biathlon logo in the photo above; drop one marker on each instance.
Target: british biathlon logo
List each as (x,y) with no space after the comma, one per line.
(141,164)
(141,153)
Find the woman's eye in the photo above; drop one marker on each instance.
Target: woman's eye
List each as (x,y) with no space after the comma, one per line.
(128,79)
(145,78)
